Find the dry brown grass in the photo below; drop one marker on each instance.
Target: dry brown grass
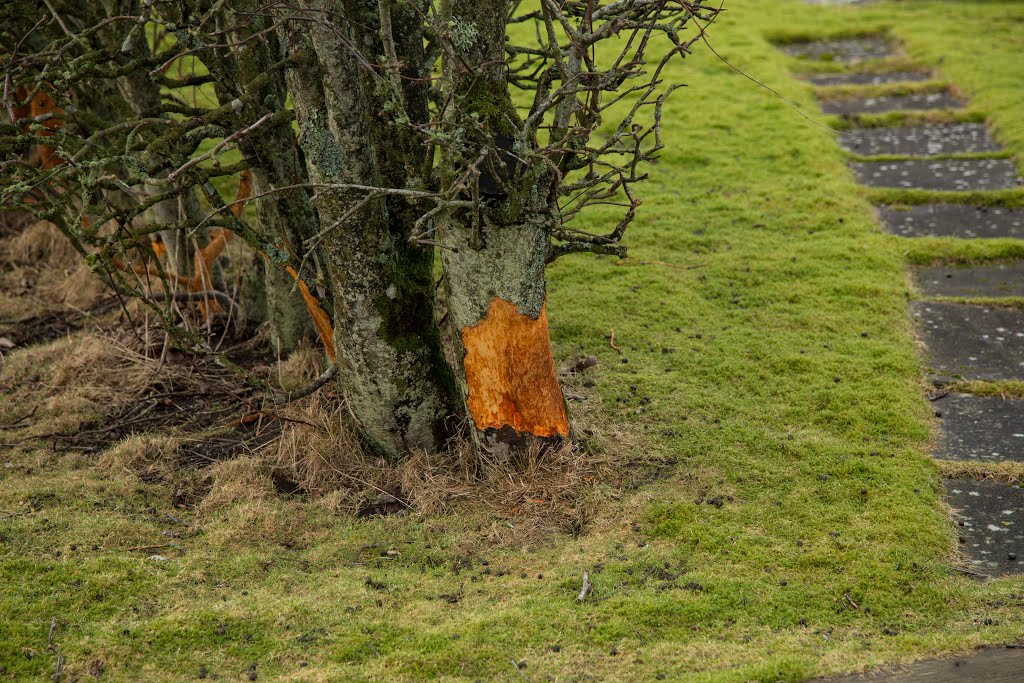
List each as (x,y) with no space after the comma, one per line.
(540,490)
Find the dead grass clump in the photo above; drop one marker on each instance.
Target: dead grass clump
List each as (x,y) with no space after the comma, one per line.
(543,490)
(302,366)
(43,242)
(244,479)
(104,361)
(149,457)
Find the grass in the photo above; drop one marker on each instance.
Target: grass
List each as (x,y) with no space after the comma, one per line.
(801,530)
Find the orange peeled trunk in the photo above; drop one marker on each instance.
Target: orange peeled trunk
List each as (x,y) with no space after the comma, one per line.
(510,373)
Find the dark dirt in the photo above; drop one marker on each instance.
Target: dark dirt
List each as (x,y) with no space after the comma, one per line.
(887,103)
(38,329)
(990,519)
(944,138)
(953,220)
(980,428)
(975,342)
(946,174)
(990,280)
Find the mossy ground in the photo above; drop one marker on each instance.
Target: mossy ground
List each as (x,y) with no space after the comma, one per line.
(763,317)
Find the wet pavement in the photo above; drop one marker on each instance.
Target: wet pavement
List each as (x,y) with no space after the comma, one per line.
(944,174)
(980,428)
(970,341)
(841,50)
(867,78)
(990,280)
(990,521)
(886,103)
(943,138)
(953,220)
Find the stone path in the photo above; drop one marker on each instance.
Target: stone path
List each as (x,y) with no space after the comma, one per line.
(963,340)
(977,338)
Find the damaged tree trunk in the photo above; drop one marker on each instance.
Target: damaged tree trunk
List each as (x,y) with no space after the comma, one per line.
(494,254)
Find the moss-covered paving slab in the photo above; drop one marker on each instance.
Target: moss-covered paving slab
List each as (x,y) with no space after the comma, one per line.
(953,220)
(885,103)
(980,428)
(990,516)
(989,280)
(991,665)
(974,342)
(945,174)
(945,138)
(866,78)
(842,50)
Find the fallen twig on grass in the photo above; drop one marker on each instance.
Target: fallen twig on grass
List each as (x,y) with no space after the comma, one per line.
(149,547)
(585,590)
(16,423)
(611,342)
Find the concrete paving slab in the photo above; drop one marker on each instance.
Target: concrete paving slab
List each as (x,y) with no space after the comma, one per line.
(943,138)
(944,174)
(886,103)
(860,78)
(990,519)
(973,342)
(990,280)
(953,220)
(980,428)
(842,50)
(991,665)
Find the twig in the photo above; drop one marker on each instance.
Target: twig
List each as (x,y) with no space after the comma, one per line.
(26,416)
(611,342)
(149,547)
(58,671)
(971,572)
(205,296)
(53,629)
(515,665)
(327,375)
(585,590)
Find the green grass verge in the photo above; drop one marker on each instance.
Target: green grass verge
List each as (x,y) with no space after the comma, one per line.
(781,375)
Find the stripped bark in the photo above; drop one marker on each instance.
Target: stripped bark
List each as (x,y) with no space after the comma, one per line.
(494,254)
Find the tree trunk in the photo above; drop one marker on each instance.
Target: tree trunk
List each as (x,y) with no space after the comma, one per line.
(283,217)
(494,255)
(398,388)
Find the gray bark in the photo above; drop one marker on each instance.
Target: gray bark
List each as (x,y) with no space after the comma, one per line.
(397,386)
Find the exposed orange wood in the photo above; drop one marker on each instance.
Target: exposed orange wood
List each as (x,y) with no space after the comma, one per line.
(22,109)
(41,104)
(204,258)
(510,373)
(321,320)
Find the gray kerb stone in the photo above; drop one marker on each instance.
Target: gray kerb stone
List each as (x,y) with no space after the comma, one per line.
(990,516)
(945,138)
(973,342)
(944,174)
(843,50)
(886,103)
(953,220)
(862,78)
(980,428)
(990,280)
